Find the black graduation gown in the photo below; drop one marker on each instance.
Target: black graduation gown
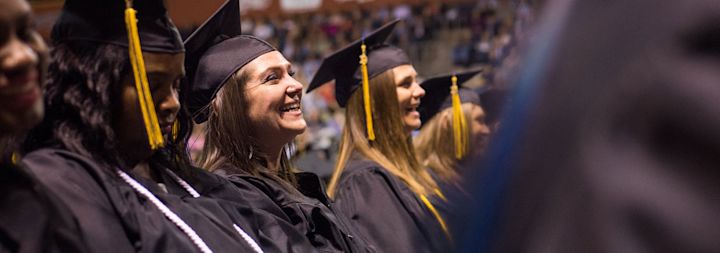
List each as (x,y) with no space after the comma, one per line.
(453,198)
(205,215)
(386,211)
(271,233)
(310,212)
(112,216)
(32,219)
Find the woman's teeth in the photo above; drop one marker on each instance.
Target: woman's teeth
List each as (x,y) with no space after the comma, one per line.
(291,107)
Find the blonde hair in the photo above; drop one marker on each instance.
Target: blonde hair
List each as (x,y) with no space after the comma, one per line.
(392,147)
(433,148)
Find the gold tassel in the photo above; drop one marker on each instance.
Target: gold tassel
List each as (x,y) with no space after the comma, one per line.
(175,129)
(440,194)
(437,215)
(14,158)
(147,106)
(366,94)
(459,124)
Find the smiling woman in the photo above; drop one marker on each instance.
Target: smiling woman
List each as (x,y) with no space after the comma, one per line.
(23,57)
(244,88)
(378,181)
(33,218)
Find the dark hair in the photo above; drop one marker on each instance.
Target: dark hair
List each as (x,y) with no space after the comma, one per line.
(83,85)
(83,90)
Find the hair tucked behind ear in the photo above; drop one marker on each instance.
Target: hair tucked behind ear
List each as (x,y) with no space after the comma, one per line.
(84,82)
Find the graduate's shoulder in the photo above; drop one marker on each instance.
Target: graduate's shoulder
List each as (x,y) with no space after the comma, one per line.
(363,170)
(47,162)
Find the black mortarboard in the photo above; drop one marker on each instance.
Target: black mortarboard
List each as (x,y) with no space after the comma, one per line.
(103,21)
(138,26)
(437,94)
(492,101)
(215,51)
(344,65)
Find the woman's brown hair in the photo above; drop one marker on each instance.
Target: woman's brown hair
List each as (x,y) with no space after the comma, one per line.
(229,136)
(392,147)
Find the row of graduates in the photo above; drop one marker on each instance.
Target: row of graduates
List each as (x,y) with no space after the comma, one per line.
(106,169)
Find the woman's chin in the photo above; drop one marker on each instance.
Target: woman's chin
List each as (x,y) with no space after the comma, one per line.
(296,127)
(412,124)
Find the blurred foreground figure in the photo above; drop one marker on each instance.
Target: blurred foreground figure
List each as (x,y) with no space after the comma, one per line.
(612,143)
(32,218)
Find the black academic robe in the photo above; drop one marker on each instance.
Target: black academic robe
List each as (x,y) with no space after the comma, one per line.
(205,215)
(33,219)
(454,198)
(309,210)
(270,232)
(112,216)
(386,211)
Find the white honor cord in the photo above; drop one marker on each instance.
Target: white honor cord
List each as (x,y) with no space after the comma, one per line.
(184,184)
(195,194)
(248,239)
(194,237)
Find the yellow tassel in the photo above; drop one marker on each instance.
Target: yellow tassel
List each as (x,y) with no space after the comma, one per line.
(440,194)
(147,106)
(366,94)
(436,214)
(175,129)
(14,158)
(459,124)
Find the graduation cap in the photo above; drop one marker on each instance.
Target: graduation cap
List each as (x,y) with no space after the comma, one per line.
(103,21)
(492,101)
(344,67)
(438,90)
(215,51)
(140,26)
(356,64)
(443,92)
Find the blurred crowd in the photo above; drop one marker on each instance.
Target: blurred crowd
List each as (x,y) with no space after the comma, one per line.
(481,34)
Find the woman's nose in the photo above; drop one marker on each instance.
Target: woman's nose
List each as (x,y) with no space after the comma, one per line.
(419,92)
(18,55)
(294,87)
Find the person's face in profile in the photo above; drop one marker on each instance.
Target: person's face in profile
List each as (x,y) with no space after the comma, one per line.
(274,99)
(409,94)
(164,72)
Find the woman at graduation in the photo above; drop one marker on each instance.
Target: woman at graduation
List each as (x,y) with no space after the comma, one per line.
(32,219)
(244,89)
(450,112)
(104,146)
(453,135)
(274,230)
(378,182)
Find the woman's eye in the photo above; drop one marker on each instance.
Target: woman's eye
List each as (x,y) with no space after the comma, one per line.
(271,77)
(154,85)
(291,73)
(26,34)
(176,85)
